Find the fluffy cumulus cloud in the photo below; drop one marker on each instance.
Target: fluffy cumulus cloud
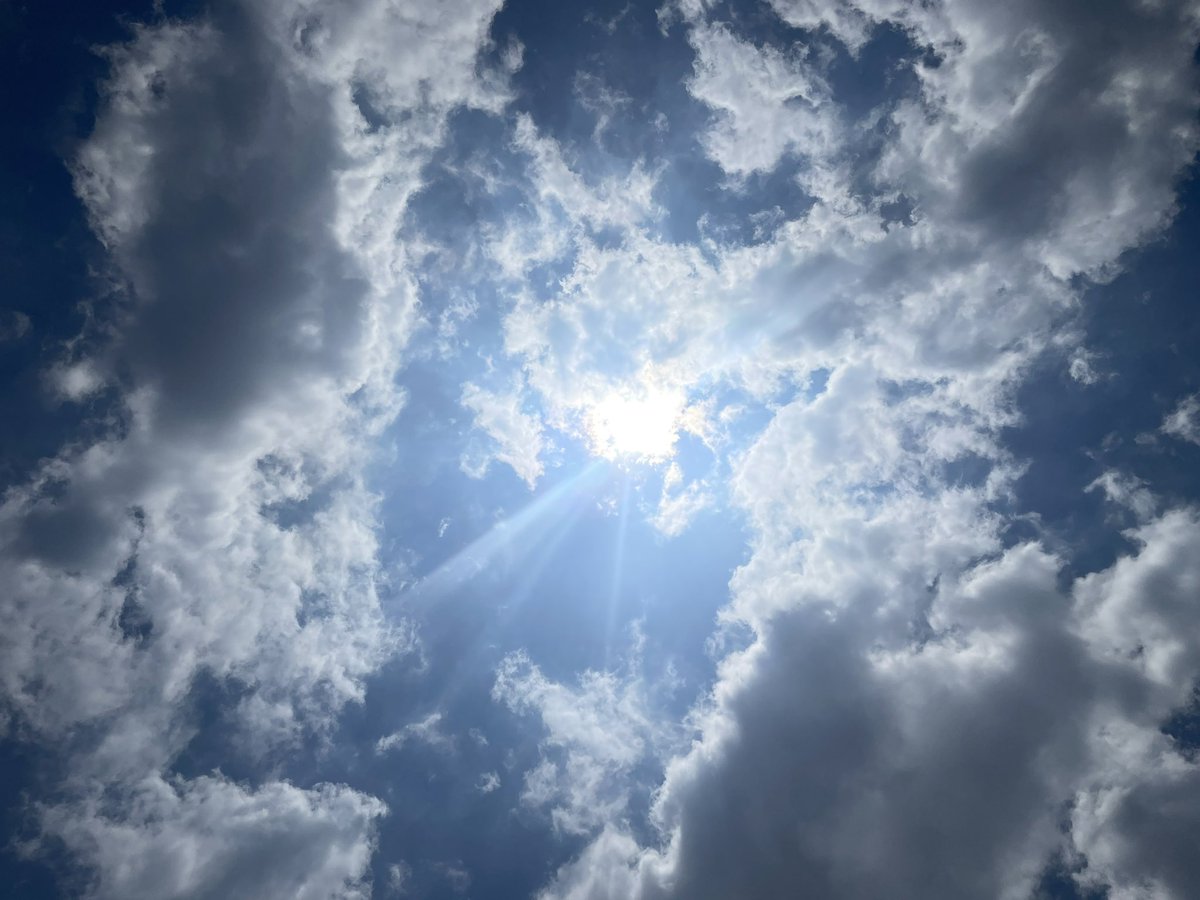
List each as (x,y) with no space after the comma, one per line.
(211,838)
(218,530)
(925,727)
(596,734)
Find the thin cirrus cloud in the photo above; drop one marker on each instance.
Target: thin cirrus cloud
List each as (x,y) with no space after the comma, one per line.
(758,297)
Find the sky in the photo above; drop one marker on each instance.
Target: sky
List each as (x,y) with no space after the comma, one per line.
(688,450)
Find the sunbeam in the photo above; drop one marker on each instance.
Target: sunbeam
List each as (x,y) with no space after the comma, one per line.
(487,628)
(519,535)
(618,572)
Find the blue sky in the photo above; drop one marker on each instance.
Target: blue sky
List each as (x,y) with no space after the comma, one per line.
(620,450)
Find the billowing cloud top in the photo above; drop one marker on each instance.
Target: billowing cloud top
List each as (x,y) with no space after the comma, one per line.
(650,451)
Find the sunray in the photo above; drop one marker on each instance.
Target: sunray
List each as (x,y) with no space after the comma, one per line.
(514,600)
(517,536)
(614,595)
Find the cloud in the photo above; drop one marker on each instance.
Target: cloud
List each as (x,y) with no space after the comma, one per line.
(74,382)
(516,433)
(927,704)
(399,876)
(1027,97)
(209,837)
(846,758)
(765,104)
(14,325)
(1134,813)
(424,731)
(1082,367)
(1127,491)
(679,503)
(597,732)
(1137,830)
(1184,421)
(605,871)
(1137,615)
(219,529)
(457,877)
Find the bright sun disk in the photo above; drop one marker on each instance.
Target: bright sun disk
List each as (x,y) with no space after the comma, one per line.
(643,427)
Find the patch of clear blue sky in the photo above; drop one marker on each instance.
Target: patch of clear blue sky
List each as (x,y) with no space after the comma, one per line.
(1144,331)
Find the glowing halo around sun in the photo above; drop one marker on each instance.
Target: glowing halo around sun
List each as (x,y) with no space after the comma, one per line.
(641,426)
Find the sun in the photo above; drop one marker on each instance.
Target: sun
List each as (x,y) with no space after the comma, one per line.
(641,426)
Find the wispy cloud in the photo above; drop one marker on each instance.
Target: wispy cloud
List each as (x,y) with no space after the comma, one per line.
(426,731)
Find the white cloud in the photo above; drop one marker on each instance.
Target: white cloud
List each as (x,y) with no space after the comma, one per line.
(1134,814)
(1139,614)
(74,381)
(842,755)
(1127,491)
(608,869)
(851,22)
(517,434)
(478,737)
(1184,420)
(426,731)
(1137,826)
(767,105)
(212,838)
(488,782)
(1082,367)
(596,733)
(1029,97)
(679,504)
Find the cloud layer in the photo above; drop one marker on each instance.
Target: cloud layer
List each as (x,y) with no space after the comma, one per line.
(895,213)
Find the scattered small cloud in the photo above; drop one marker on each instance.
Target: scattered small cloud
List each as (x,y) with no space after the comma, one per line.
(455,875)
(516,434)
(1184,421)
(14,325)
(399,879)
(427,731)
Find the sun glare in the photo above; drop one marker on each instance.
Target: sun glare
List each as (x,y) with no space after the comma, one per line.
(642,427)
